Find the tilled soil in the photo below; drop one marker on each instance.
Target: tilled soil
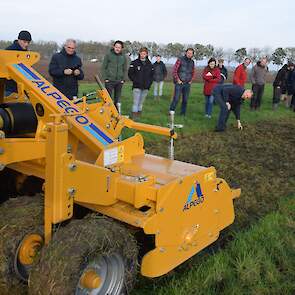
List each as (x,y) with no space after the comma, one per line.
(260,160)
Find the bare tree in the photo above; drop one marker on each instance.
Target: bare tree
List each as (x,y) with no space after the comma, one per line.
(218,52)
(267,52)
(290,53)
(229,55)
(209,50)
(255,54)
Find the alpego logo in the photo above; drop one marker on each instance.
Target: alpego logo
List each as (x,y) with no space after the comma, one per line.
(195,197)
(68,108)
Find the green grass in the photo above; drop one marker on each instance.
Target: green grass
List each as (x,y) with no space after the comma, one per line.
(258,261)
(155,112)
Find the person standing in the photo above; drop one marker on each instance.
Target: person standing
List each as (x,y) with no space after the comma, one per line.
(183,75)
(240,73)
(211,76)
(21,44)
(160,73)
(141,74)
(258,78)
(223,71)
(279,86)
(229,97)
(114,70)
(290,84)
(66,70)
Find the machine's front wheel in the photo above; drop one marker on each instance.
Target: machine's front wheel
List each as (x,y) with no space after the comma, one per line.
(20,241)
(94,256)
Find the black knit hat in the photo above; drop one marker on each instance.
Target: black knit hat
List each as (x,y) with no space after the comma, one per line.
(24,35)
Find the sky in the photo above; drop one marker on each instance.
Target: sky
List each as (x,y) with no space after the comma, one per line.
(227,23)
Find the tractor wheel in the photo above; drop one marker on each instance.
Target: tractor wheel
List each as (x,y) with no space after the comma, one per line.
(94,256)
(20,241)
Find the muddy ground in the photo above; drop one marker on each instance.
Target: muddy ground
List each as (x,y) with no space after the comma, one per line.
(260,160)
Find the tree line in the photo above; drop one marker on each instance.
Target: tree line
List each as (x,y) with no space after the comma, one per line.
(92,49)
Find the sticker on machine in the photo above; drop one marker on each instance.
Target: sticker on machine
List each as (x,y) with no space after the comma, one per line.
(113,156)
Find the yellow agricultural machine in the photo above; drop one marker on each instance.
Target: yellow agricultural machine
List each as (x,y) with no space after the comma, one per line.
(105,208)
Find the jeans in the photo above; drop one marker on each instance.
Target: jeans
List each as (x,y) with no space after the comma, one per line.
(183,89)
(257,96)
(209,99)
(158,88)
(117,87)
(224,112)
(139,96)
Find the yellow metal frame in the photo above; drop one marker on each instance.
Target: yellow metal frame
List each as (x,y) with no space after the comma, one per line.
(77,152)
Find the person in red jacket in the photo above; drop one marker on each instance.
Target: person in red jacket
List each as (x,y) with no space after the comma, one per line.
(211,77)
(240,74)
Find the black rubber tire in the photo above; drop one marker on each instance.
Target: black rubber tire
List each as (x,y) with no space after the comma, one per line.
(73,246)
(18,217)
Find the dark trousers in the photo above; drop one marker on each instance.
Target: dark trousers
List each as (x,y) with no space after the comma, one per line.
(115,86)
(257,96)
(223,114)
(184,90)
(277,92)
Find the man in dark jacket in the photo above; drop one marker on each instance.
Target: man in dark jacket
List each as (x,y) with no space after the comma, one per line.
(66,69)
(141,73)
(114,70)
(160,73)
(290,84)
(223,71)
(183,75)
(21,44)
(258,79)
(279,86)
(229,97)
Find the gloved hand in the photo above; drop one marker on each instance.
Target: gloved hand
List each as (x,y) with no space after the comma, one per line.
(240,127)
(228,105)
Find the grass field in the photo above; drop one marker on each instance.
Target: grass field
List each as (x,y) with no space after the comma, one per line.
(256,255)
(155,112)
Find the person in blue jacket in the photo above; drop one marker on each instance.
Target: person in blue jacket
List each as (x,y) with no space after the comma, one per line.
(229,97)
(21,44)
(66,70)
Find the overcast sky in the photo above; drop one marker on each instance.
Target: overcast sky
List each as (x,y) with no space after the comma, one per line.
(226,23)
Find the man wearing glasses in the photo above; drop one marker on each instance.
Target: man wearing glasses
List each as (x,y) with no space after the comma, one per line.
(66,70)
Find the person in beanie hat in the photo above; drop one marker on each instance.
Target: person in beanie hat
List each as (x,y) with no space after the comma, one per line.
(141,73)
(21,44)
